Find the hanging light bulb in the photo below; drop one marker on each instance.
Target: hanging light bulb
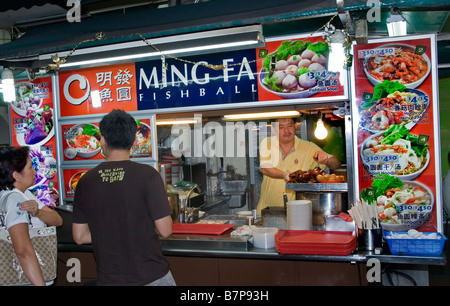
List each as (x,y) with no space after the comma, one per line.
(320,131)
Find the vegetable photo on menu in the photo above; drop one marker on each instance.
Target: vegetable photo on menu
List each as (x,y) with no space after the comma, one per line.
(392,103)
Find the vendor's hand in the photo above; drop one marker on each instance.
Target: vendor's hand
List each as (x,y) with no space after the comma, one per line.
(286,176)
(30,206)
(321,157)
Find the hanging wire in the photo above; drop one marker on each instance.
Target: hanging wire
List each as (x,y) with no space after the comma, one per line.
(57,61)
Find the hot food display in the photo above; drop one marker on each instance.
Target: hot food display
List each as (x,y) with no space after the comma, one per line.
(317,175)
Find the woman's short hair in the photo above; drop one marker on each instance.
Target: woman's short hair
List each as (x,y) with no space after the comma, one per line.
(119,129)
(11,159)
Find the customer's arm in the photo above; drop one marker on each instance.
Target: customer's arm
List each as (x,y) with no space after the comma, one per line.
(164,226)
(25,253)
(45,214)
(81,233)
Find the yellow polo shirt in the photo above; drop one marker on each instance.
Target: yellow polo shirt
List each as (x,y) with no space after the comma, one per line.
(270,155)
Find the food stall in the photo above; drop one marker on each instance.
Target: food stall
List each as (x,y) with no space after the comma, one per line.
(301,73)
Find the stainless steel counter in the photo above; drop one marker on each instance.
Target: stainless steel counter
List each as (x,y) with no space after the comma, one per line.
(225,246)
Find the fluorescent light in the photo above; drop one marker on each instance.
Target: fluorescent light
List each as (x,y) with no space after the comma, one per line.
(95,97)
(175,121)
(396,24)
(154,54)
(262,115)
(7,86)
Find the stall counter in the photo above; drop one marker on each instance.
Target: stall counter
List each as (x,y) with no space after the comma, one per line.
(193,265)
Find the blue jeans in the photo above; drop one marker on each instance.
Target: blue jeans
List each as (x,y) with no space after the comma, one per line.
(166,280)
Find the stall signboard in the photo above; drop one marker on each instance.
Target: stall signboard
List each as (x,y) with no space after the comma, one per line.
(70,179)
(97,90)
(288,70)
(397,135)
(81,142)
(32,124)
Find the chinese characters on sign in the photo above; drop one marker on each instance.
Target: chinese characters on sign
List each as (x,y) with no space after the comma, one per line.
(98,90)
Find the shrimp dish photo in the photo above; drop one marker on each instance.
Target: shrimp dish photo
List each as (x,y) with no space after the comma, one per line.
(402,64)
(396,108)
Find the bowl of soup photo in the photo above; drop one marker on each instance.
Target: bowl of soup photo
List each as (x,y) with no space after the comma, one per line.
(85,139)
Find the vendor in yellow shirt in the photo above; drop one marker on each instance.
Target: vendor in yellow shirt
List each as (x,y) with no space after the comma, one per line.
(285,153)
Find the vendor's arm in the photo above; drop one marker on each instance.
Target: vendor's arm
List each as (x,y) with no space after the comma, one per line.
(81,233)
(45,214)
(330,161)
(25,253)
(276,173)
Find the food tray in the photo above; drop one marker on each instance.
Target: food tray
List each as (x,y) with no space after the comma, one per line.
(200,229)
(315,242)
(427,247)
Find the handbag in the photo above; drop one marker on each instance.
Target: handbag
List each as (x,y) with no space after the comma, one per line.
(44,242)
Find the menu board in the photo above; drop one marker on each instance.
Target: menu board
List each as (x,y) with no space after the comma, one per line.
(70,180)
(81,141)
(394,116)
(32,124)
(300,68)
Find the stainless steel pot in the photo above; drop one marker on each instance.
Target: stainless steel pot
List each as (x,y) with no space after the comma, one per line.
(324,204)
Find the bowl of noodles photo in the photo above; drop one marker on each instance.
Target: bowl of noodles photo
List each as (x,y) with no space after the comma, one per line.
(395,152)
(397,62)
(401,205)
(143,145)
(392,103)
(85,139)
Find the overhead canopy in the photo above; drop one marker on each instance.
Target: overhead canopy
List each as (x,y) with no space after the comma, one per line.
(278,18)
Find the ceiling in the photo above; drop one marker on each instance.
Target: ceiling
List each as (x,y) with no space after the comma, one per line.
(41,26)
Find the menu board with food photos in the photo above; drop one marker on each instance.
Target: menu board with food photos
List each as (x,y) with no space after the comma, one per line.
(395,121)
(32,124)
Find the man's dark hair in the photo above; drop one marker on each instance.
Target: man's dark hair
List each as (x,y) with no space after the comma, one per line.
(119,129)
(11,159)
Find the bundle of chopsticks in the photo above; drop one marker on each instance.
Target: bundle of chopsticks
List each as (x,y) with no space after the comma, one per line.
(365,215)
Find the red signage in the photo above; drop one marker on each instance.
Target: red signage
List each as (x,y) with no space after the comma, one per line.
(393,115)
(299,68)
(32,124)
(97,90)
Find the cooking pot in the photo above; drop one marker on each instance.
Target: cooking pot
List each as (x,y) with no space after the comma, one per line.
(324,204)
(173,201)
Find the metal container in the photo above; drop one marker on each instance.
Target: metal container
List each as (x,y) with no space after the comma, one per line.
(274,216)
(324,204)
(173,201)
